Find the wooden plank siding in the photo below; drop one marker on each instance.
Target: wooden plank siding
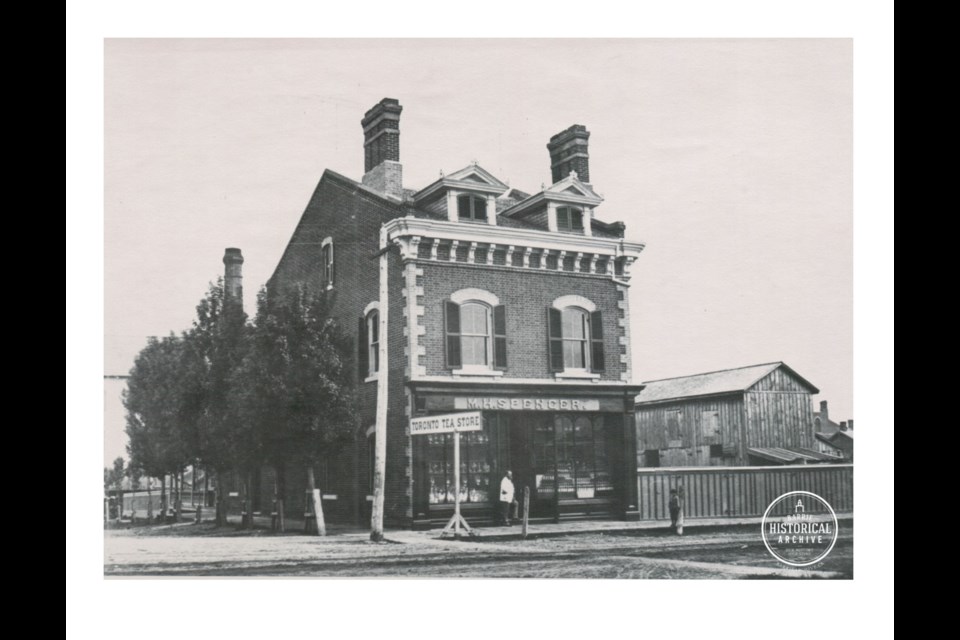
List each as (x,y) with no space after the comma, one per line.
(775,411)
(694,449)
(740,491)
(779,419)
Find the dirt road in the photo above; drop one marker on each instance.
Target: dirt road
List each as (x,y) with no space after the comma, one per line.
(192,550)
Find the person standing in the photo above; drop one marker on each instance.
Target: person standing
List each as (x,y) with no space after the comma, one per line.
(674,508)
(681,498)
(506,498)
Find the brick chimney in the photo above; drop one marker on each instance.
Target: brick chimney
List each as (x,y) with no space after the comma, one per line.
(568,152)
(843,425)
(850,424)
(233,278)
(823,411)
(381,148)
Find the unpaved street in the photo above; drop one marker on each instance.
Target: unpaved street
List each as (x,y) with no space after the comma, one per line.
(188,550)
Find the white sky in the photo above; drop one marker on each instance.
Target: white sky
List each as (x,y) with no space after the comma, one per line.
(731,159)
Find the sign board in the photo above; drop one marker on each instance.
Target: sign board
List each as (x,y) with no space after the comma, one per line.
(493,403)
(447,423)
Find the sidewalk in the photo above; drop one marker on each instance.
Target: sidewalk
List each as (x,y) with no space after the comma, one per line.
(548,530)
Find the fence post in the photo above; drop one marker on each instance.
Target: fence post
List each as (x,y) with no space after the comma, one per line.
(526,510)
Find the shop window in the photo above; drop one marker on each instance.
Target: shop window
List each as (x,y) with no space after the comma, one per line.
(570,458)
(576,339)
(368,342)
(475,335)
(326,263)
(570,219)
(471,208)
(478,467)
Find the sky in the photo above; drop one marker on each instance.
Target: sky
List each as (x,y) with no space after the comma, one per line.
(730,159)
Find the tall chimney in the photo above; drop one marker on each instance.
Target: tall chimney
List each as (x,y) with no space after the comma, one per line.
(823,411)
(568,152)
(233,278)
(381,148)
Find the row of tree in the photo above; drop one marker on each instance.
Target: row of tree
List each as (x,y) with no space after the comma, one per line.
(230,395)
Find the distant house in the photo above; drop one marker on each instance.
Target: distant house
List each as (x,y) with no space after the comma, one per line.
(756,415)
(834,438)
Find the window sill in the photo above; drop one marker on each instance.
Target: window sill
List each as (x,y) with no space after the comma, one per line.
(577,375)
(479,371)
(372,378)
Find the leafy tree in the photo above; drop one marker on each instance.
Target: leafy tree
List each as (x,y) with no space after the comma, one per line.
(214,348)
(153,399)
(293,389)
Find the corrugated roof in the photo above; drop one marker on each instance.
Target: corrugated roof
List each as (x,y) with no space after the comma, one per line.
(705,384)
(782,455)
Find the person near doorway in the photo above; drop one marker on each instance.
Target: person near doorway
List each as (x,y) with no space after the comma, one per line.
(507,501)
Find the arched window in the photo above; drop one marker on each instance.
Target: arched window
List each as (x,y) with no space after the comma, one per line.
(368,342)
(373,341)
(471,208)
(476,331)
(576,336)
(326,263)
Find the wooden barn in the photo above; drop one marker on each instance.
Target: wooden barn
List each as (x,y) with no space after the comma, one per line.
(756,415)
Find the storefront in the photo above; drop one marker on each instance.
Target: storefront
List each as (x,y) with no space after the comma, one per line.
(572,445)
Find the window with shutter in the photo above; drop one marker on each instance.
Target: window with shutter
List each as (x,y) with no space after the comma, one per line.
(475,324)
(451,322)
(499,337)
(363,352)
(575,337)
(596,342)
(555,339)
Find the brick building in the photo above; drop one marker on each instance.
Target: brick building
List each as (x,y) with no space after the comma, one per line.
(468,294)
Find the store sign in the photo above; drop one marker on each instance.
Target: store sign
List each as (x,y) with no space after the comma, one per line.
(525,404)
(449,423)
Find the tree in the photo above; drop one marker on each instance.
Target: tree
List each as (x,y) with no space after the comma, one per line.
(153,399)
(115,476)
(293,388)
(214,348)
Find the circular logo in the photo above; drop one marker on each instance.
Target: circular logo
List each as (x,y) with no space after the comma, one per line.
(799,528)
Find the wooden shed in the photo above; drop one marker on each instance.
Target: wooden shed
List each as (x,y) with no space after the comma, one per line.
(716,418)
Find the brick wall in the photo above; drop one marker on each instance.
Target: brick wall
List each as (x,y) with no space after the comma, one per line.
(352,217)
(526,294)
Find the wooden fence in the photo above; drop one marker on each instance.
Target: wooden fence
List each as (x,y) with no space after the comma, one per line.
(717,492)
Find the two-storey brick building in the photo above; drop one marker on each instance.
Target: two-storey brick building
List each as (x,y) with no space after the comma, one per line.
(467,294)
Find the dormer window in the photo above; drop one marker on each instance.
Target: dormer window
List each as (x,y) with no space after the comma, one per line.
(570,219)
(471,208)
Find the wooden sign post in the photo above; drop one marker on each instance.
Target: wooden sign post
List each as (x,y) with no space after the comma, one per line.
(454,423)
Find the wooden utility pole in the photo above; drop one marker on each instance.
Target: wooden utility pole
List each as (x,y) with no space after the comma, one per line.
(380,437)
(315,498)
(526,510)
